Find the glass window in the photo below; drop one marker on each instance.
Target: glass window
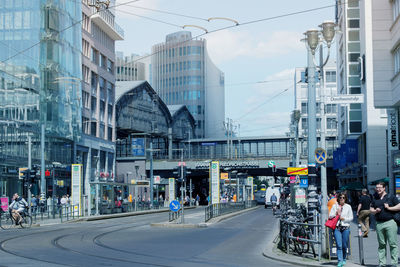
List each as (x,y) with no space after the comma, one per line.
(94,56)
(355,115)
(396,9)
(353,3)
(354,23)
(355,90)
(353,57)
(353,69)
(354,47)
(354,35)
(354,81)
(330,76)
(396,56)
(304,123)
(353,13)
(304,108)
(355,126)
(102,61)
(331,123)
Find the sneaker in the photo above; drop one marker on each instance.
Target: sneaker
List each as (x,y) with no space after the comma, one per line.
(340,264)
(343,262)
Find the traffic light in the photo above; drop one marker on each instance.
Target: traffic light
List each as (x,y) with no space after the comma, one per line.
(24,174)
(32,176)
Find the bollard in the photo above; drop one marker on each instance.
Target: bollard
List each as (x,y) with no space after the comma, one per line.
(360,245)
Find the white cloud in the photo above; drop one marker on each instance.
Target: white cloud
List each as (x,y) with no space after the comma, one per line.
(227,45)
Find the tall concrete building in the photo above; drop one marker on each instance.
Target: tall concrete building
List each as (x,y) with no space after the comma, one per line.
(96,150)
(362,128)
(133,67)
(182,73)
(382,65)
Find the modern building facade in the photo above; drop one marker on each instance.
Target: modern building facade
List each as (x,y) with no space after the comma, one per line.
(183,74)
(362,128)
(96,149)
(40,71)
(383,38)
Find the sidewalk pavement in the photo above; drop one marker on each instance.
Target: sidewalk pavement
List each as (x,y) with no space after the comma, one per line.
(370,245)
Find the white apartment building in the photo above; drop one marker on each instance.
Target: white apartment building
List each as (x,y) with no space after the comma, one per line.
(361,156)
(382,19)
(183,74)
(323,94)
(133,67)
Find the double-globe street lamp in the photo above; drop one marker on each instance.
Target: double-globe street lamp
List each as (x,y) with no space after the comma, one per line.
(315,38)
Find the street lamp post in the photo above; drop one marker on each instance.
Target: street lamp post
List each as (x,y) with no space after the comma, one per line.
(314,38)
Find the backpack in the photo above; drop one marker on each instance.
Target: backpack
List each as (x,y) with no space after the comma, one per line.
(396,214)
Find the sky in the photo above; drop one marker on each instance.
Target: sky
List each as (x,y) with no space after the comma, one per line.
(258,59)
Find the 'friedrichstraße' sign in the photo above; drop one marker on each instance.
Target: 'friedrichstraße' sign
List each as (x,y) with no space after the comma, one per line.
(345,99)
(230,164)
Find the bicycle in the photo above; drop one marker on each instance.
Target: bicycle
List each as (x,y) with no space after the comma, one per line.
(304,232)
(7,221)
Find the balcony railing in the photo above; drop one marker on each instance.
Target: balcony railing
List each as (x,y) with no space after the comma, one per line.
(106,21)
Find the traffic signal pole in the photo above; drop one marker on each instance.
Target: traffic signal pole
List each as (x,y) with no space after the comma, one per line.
(182,197)
(28,174)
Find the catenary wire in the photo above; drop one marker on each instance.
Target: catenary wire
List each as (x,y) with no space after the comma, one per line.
(148,18)
(168,12)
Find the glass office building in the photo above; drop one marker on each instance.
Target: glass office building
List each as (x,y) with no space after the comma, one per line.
(40,84)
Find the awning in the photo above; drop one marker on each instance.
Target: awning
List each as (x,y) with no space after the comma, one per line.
(356,186)
(385,180)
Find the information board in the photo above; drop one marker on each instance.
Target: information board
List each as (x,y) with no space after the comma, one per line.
(138,148)
(214,182)
(397,184)
(76,189)
(171,190)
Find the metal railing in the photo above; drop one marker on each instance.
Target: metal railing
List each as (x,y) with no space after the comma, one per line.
(312,234)
(174,215)
(219,209)
(54,213)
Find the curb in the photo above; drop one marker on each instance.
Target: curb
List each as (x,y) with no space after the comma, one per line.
(202,225)
(271,252)
(110,216)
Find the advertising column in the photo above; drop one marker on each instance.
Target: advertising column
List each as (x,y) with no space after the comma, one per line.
(76,188)
(214,182)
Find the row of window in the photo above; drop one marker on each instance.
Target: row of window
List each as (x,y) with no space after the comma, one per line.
(101,60)
(331,123)
(183,65)
(396,56)
(182,80)
(329,108)
(89,127)
(174,97)
(184,51)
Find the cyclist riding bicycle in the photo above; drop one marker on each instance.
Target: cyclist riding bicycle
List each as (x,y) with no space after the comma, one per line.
(273,201)
(17,207)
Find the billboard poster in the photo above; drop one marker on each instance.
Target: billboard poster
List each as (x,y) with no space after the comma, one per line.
(397,184)
(4,203)
(138,147)
(76,188)
(214,182)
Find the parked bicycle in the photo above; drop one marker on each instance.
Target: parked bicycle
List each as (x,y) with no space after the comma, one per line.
(7,221)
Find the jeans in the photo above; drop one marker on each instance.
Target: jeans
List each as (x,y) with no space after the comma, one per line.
(387,233)
(342,243)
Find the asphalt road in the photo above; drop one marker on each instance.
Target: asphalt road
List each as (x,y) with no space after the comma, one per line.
(131,241)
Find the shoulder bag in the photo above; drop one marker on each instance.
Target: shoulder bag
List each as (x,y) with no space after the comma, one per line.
(331,223)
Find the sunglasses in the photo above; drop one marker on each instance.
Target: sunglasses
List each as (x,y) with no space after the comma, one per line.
(342,198)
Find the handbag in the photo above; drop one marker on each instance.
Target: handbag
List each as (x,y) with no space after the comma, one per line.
(331,223)
(396,217)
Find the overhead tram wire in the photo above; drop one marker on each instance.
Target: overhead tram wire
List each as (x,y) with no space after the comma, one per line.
(263,103)
(169,13)
(237,25)
(148,18)
(72,25)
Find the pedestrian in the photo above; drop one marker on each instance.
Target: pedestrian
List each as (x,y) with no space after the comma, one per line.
(382,207)
(197,200)
(332,201)
(342,230)
(363,212)
(34,204)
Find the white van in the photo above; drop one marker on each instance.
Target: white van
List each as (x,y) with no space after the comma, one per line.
(268,194)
